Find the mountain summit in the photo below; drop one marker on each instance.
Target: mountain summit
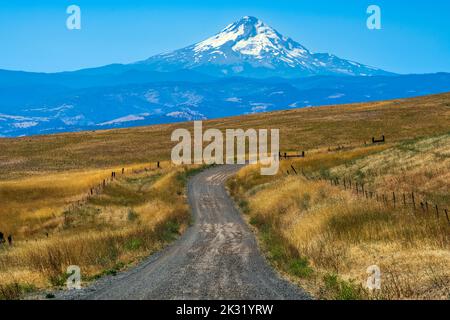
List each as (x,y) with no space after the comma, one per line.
(249,47)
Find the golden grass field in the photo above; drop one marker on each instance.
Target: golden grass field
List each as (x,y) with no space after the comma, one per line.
(301,129)
(325,237)
(131,217)
(44,178)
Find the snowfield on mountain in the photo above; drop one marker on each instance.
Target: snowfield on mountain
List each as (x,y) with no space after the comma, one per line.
(249,47)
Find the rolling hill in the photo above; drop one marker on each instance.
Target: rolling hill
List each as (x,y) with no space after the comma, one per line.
(56,218)
(300,129)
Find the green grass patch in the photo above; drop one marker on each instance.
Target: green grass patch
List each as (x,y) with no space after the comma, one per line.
(340,289)
(110,272)
(170,231)
(283,256)
(132,215)
(133,244)
(300,268)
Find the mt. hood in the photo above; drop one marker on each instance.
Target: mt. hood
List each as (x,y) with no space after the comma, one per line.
(251,48)
(246,68)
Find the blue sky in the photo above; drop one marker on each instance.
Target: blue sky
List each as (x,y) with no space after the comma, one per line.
(33,35)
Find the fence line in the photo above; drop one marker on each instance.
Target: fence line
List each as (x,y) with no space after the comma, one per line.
(98,189)
(360,190)
(95,190)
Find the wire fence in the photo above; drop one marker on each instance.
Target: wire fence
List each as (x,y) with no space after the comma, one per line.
(391,199)
(93,191)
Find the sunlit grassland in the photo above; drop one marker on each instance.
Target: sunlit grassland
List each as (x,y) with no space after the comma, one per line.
(133,216)
(300,129)
(31,203)
(421,166)
(326,237)
(43,179)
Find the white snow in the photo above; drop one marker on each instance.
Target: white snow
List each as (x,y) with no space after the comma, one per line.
(228,34)
(128,118)
(188,98)
(72,120)
(254,46)
(24,125)
(22,118)
(259,109)
(252,42)
(13,117)
(152,96)
(233,99)
(276,93)
(186,114)
(336,96)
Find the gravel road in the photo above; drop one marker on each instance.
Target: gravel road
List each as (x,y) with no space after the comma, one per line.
(216,258)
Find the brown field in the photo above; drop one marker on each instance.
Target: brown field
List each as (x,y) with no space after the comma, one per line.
(43,179)
(301,129)
(325,236)
(131,217)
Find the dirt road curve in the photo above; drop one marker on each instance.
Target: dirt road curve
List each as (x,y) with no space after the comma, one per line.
(216,258)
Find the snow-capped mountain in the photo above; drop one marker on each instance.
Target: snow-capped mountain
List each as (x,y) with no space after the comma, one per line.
(246,68)
(249,47)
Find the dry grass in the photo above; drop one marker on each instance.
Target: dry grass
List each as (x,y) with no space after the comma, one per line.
(29,204)
(42,177)
(421,166)
(327,237)
(132,217)
(301,129)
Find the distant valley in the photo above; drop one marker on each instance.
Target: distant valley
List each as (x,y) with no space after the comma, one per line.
(246,68)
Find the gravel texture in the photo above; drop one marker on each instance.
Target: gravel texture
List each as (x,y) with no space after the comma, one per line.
(216,258)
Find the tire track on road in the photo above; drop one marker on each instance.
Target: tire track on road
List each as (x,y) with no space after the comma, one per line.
(216,258)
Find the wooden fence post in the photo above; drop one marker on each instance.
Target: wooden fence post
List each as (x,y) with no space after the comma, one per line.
(393,198)
(437,212)
(446,214)
(404,200)
(295,171)
(413,200)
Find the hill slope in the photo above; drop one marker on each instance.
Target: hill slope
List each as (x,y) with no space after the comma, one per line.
(173,101)
(300,129)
